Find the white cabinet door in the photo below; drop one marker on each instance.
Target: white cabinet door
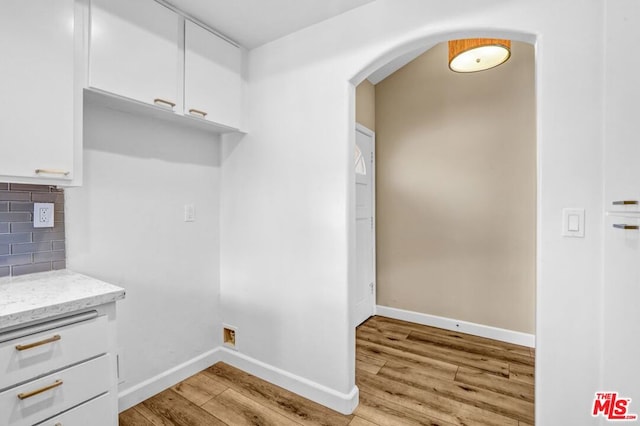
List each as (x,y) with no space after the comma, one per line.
(621,288)
(212,73)
(134,50)
(37,87)
(97,412)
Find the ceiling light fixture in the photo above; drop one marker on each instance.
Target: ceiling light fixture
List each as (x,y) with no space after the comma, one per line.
(478,54)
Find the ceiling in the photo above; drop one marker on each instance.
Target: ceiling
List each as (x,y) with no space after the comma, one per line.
(253,23)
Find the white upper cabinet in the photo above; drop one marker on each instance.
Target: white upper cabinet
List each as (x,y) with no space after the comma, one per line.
(41,108)
(212,77)
(134,50)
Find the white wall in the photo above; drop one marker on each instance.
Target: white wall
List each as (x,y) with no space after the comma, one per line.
(288,204)
(125,225)
(621,289)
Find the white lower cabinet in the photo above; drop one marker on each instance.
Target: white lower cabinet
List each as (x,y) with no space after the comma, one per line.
(63,369)
(96,412)
(36,354)
(40,399)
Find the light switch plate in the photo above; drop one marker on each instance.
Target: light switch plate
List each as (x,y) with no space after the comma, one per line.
(189,213)
(43,215)
(573,223)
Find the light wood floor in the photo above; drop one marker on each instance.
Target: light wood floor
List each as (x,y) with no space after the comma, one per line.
(408,374)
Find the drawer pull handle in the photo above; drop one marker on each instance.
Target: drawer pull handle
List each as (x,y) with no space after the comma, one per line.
(52,172)
(197,111)
(625,226)
(26,395)
(625,203)
(164,102)
(40,343)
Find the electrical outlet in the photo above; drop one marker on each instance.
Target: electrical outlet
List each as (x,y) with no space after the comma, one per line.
(43,215)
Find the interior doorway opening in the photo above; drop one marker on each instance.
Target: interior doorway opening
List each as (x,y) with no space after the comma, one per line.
(456,194)
(456,187)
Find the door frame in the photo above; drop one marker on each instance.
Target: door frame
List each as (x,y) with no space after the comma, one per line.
(365,130)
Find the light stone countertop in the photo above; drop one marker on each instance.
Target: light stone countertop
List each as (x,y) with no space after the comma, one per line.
(39,296)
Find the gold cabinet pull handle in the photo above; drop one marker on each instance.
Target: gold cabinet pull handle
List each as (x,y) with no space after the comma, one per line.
(625,226)
(625,203)
(52,172)
(197,111)
(164,102)
(26,395)
(40,343)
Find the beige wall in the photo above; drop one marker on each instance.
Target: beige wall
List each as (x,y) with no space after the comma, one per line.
(456,190)
(366,104)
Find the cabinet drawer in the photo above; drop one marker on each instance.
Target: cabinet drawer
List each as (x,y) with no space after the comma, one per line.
(97,412)
(75,385)
(59,347)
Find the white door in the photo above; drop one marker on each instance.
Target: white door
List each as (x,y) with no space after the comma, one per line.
(365,247)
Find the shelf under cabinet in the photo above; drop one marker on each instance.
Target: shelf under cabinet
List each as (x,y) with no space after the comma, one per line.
(98,97)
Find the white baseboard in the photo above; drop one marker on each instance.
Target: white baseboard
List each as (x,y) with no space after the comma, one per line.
(138,393)
(501,334)
(343,403)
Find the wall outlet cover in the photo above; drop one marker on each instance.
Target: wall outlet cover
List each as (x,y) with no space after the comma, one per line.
(43,215)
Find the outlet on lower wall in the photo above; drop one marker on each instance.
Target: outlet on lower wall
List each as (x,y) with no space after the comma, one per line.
(230,336)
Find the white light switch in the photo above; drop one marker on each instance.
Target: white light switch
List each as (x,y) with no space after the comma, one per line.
(573,223)
(43,215)
(189,213)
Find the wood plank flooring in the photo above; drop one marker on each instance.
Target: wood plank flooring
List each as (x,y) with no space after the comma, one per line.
(408,374)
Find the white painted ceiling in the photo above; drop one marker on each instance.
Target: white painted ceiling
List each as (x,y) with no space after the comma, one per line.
(253,23)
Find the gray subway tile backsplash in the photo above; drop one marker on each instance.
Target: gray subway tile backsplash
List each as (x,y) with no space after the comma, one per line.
(17,206)
(16,259)
(21,237)
(47,256)
(28,227)
(31,268)
(47,197)
(23,248)
(30,187)
(30,247)
(14,196)
(47,236)
(15,216)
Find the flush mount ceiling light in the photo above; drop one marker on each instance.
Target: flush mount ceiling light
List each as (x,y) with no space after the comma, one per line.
(478,54)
